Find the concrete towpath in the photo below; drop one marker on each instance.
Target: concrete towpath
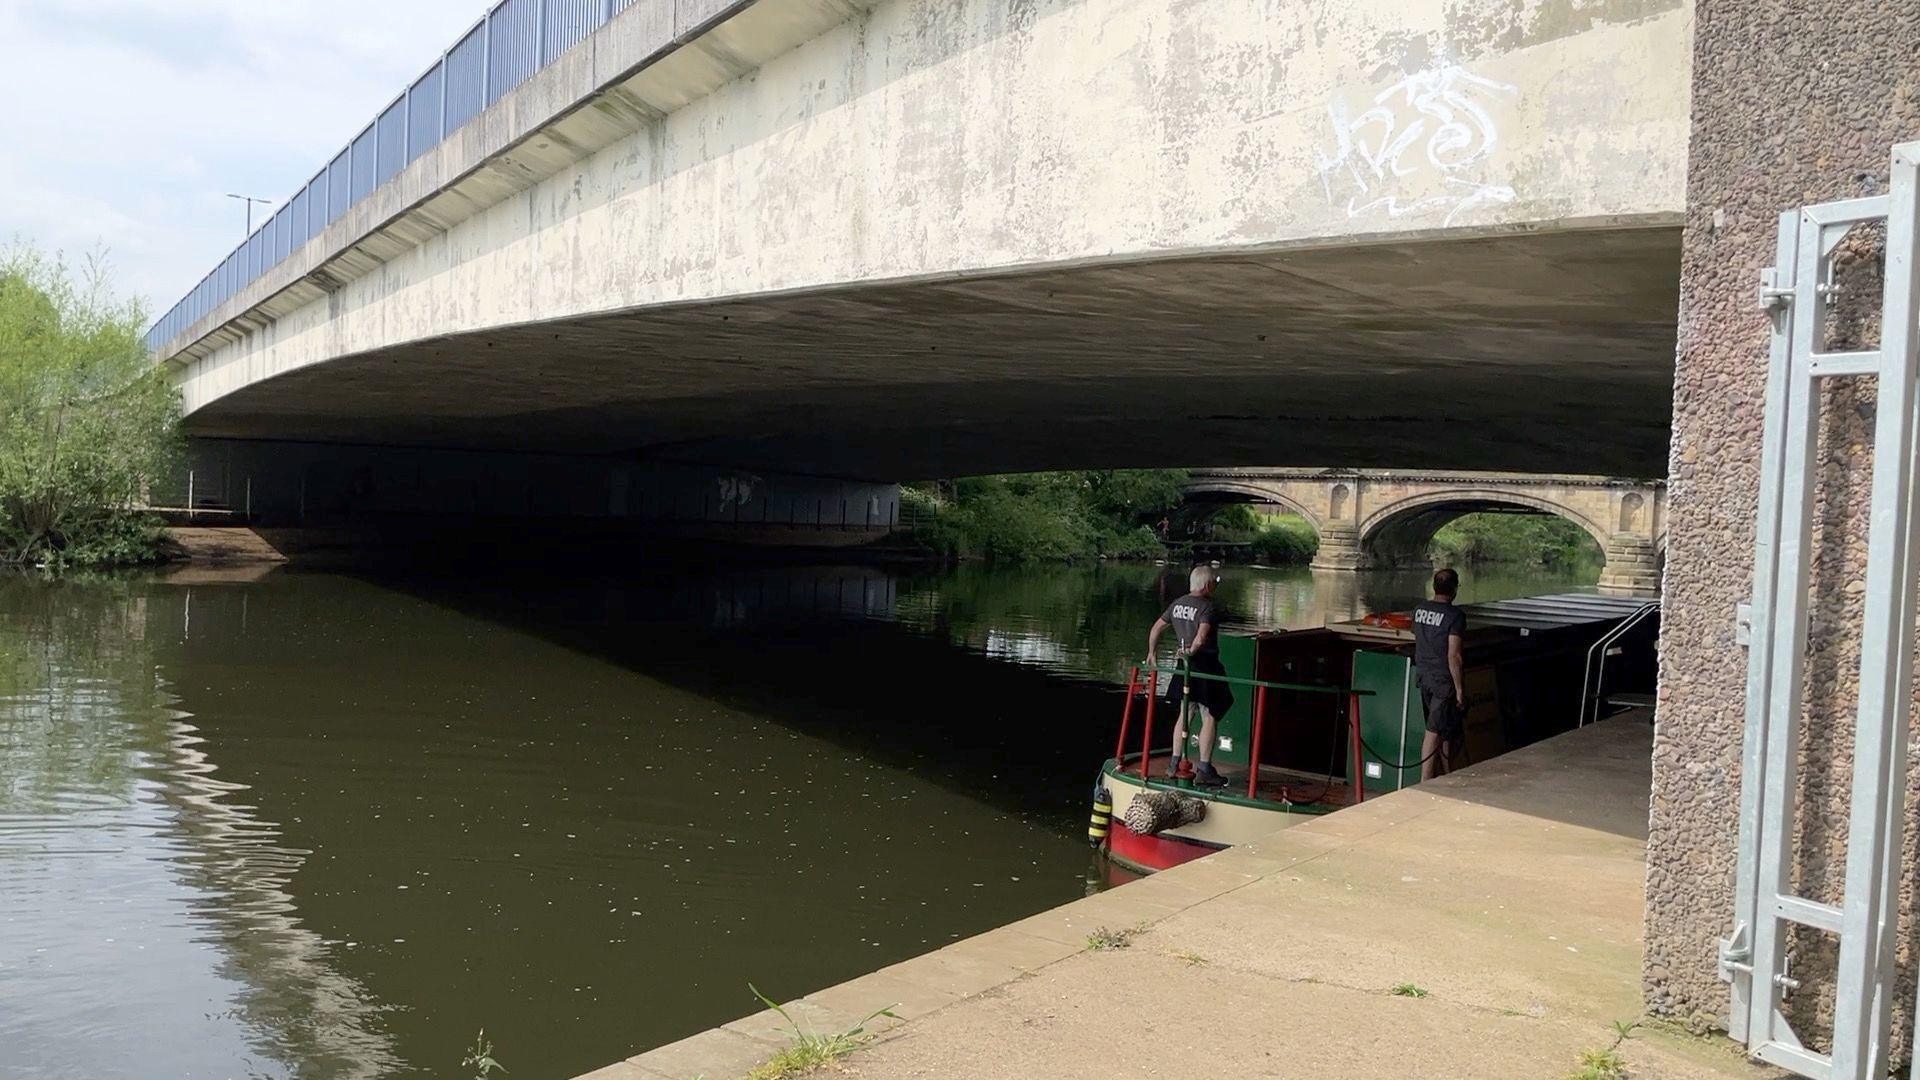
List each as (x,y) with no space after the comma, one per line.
(1504,903)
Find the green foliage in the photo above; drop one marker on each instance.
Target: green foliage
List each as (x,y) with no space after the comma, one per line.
(1285,540)
(1408,990)
(1133,495)
(480,1058)
(87,422)
(1237,520)
(1536,539)
(810,1049)
(1105,940)
(1045,516)
(1600,1065)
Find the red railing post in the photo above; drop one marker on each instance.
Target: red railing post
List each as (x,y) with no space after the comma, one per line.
(1126,716)
(1253,752)
(1359,761)
(1146,723)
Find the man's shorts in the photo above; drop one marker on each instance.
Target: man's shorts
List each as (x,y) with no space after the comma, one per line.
(1444,717)
(1211,694)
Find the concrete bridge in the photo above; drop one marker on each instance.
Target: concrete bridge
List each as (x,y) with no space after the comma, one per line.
(892,239)
(1367,518)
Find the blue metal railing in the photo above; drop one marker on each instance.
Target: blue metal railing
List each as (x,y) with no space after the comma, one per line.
(514,40)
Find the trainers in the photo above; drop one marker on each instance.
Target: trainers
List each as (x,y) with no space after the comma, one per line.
(1208,776)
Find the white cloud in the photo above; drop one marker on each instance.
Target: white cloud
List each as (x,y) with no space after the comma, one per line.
(127,121)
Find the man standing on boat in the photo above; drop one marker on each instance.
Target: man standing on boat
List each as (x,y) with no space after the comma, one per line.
(1439,671)
(1195,619)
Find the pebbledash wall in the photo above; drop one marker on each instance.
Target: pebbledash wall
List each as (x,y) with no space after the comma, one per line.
(1793,102)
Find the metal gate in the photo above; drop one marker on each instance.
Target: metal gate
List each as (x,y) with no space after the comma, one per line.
(1797,291)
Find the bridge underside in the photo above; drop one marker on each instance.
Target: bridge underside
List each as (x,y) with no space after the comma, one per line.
(1524,351)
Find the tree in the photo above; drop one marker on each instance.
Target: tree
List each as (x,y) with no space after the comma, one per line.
(87,421)
(1050,515)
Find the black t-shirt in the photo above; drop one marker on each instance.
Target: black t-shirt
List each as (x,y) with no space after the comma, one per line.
(1435,621)
(1191,612)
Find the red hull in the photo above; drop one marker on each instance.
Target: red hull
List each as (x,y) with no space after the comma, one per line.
(1151,853)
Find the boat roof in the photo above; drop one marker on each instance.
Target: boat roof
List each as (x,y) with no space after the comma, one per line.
(1527,614)
(1554,610)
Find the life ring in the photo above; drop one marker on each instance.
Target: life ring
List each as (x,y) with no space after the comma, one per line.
(1390,620)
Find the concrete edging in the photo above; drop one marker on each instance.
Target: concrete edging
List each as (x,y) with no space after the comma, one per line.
(923,985)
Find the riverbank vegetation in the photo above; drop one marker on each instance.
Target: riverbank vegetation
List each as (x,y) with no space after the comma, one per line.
(1272,539)
(811,1051)
(87,423)
(1045,516)
(1532,539)
(1124,513)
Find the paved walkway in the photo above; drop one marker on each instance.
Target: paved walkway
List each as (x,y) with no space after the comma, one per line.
(1509,895)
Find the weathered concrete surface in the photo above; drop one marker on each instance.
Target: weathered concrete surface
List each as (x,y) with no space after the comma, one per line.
(1510,892)
(220,544)
(1781,118)
(285,483)
(1379,518)
(649,58)
(1004,234)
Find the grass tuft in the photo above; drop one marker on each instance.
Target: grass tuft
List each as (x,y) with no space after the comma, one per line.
(1192,958)
(1103,939)
(480,1058)
(1600,1064)
(1408,990)
(812,1050)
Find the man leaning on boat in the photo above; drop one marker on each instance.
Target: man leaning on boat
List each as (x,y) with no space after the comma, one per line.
(1195,619)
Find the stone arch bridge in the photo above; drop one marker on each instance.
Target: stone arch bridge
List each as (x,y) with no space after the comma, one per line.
(1386,517)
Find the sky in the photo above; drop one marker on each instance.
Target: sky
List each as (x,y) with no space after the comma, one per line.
(126,122)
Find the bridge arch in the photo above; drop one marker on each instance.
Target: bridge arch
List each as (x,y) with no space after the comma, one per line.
(1198,490)
(1400,531)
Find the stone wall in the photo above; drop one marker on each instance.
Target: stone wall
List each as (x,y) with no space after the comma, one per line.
(1368,518)
(1792,103)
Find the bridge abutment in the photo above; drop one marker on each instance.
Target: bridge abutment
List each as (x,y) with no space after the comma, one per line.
(1632,568)
(1340,549)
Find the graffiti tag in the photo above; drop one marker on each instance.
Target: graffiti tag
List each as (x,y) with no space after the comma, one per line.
(1415,146)
(736,490)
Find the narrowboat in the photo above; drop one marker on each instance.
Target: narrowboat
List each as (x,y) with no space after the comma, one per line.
(1328,717)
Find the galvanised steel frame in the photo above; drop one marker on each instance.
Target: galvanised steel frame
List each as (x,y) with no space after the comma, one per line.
(1797,291)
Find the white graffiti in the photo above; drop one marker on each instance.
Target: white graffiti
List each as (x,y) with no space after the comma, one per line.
(1415,146)
(736,490)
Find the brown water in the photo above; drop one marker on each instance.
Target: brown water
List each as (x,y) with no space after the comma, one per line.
(327,825)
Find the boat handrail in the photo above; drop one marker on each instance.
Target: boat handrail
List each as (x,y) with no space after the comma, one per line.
(1183,669)
(1260,688)
(1591,688)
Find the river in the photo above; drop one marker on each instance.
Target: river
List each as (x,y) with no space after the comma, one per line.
(324,824)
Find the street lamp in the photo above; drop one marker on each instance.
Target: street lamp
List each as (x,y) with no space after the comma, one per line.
(249,200)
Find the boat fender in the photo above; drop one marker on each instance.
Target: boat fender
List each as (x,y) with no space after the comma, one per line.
(1151,812)
(1102,819)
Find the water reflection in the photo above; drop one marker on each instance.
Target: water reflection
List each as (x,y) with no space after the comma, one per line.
(326,825)
(1090,621)
(124,854)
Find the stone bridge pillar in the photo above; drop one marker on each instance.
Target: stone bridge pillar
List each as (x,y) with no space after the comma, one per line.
(1633,566)
(1340,548)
